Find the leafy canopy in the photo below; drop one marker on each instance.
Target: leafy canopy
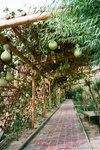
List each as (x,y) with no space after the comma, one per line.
(77,22)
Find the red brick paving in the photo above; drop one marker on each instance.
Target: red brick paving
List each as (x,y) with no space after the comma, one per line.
(62,132)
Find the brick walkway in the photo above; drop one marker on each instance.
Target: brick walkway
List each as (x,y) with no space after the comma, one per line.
(62,132)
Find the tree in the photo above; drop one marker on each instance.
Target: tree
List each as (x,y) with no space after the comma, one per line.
(96,87)
(88,83)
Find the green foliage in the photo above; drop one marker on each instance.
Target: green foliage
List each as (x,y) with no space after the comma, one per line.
(91,107)
(77,95)
(62,99)
(69,93)
(53,100)
(6,10)
(87,82)
(79,110)
(95,120)
(98,83)
(19,10)
(79,89)
(75,102)
(12,14)
(78,23)
(17,121)
(94,87)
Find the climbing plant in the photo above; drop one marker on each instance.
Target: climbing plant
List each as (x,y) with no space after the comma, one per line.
(77,22)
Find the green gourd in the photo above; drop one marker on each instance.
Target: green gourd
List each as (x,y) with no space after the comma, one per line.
(3,82)
(77,53)
(53,45)
(6,46)
(5,56)
(9,76)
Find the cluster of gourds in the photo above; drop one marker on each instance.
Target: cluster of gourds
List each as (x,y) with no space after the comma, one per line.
(6,56)
(77,52)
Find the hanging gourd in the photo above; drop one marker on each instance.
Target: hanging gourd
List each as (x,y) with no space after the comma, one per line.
(27,95)
(3,82)
(78,52)
(6,46)
(53,45)
(9,76)
(77,46)
(6,56)
(66,60)
(67,66)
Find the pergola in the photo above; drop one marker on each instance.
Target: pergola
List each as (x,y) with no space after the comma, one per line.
(47,65)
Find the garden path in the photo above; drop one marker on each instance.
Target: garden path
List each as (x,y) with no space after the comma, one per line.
(62,132)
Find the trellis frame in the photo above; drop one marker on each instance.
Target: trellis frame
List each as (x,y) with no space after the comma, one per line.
(16,22)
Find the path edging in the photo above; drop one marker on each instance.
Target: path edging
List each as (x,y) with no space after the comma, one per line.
(83,128)
(36,132)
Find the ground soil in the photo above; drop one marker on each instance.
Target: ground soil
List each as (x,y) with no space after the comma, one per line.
(26,132)
(93,132)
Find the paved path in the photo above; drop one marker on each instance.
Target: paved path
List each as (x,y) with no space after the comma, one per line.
(62,132)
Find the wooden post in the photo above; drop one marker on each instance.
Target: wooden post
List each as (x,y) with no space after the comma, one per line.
(83,101)
(49,96)
(59,95)
(38,101)
(95,83)
(96,104)
(44,99)
(88,95)
(56,98)
(33,98)
(84,104)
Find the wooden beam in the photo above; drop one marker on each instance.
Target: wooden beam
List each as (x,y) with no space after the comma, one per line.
(9,87)
(95,84)
(25,44)
(19,71)
(15,68)
(3,40)
(52,61)
(59,95)
(44,99)
(49,96)
(37,41)
(87,89)
(33,98)
(4,24)
(36,38)
(62,48)
(58,59)
(6,95)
